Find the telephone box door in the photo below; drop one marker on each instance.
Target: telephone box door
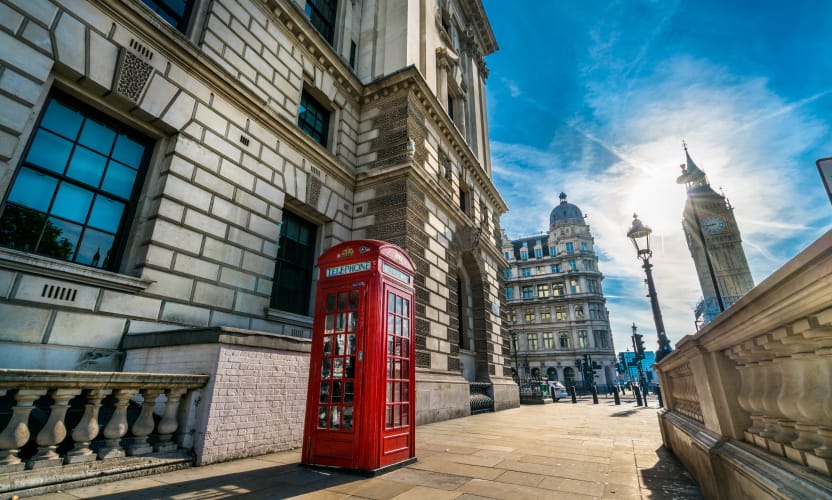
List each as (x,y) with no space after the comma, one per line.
(397,436)
(337,374)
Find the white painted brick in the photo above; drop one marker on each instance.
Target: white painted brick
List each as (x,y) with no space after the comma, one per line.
(222,252)
(258,264)
(158,96)
(185,314)
(70,44)
(166,284)
(23,324)
(135,305)
(238,279)
(213,295)
(214,183)
(197,154)
(42,12)
(91,330)
(181,111)
(195,267)
(177,236)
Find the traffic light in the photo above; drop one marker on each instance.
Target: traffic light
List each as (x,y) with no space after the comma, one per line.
(639,345)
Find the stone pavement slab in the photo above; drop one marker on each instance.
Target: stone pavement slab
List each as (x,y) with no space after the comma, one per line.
(557,451)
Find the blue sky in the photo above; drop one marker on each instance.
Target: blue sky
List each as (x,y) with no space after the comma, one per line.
(594,98)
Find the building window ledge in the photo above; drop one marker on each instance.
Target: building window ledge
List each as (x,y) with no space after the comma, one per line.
(289,318)
(58,269)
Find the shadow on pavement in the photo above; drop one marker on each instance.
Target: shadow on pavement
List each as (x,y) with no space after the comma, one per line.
(668,479)
(280,481)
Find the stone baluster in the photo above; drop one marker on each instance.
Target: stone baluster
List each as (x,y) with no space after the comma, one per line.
(16,433)
(170,421)
(116,428)
(825,431)
(791,391)
(810,404)
(755,398)
(746,387)
(144,424)
(87,429)
(54,430)
(771,381)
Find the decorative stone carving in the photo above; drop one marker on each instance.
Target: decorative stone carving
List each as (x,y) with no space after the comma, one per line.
(54,430)
(16,433)
(143,425)
(132,74)
(116,428)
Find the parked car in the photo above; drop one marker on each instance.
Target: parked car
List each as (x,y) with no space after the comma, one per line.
(557,390)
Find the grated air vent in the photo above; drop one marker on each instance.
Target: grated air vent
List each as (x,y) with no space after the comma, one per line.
(59,292)
(245,140)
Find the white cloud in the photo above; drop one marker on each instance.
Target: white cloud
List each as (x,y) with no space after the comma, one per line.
(729,124)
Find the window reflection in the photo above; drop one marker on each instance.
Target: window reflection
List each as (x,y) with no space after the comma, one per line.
(68,198)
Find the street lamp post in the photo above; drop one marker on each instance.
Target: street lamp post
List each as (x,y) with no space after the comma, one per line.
(514,349)
(639,234)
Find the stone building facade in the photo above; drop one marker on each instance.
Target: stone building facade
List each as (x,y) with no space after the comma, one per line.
(555,303)
(167,167)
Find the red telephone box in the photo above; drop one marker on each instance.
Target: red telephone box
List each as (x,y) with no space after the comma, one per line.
(360,406)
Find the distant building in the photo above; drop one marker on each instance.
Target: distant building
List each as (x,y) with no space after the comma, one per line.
(555,303)
(715,244)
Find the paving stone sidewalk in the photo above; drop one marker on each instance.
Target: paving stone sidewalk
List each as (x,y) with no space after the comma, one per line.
(560,450)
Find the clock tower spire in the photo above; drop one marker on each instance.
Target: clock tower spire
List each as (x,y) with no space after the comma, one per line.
(715,243)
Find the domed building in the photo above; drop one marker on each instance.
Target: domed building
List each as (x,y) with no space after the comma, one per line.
(556,310)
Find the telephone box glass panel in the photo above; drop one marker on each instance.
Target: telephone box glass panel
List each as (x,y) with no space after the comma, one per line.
(335,410)
(398,370)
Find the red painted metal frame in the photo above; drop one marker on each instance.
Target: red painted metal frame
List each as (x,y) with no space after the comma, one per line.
(374,268)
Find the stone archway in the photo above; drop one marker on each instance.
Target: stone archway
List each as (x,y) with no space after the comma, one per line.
(473,347)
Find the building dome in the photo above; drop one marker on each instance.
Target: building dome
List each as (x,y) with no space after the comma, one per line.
(565,212)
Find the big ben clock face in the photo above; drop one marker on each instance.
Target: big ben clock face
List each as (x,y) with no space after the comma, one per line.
(713,224)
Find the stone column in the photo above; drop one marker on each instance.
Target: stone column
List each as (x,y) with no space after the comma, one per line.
(54,431)
(16,433)
(117,426)
(87,428)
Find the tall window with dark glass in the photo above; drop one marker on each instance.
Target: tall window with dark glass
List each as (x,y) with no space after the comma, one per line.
(73,194)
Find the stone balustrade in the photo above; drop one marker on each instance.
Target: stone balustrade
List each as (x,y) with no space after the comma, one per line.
(32,396)
(749,396)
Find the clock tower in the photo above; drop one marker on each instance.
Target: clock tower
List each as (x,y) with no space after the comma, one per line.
(715,244)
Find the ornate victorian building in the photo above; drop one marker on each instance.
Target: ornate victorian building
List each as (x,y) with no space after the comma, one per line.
(715,244)
(171,169)
(555,303)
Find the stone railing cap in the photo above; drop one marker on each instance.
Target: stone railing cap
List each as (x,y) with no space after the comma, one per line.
(216,335)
